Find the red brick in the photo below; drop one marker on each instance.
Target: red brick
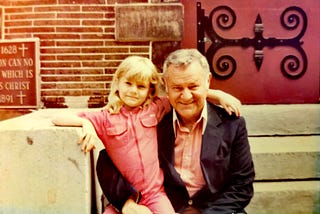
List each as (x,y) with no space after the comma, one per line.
(17,23)
(78,85)
(80,57)
(59,22)
(47,71)
(104,9)
(96,50)
(9,10)
(18,36)
(64,92)
(80,43)
(116,57)
(60,64)
(32,16)
(31,30)
(60,78)
(88,92)
(110,30)
(28,2)
(80,15)
(48,85)
(92,85)
(100,64)
(98,22)
(110,15)
(110,70)
(44,43)
(100,36)
(139,49)
(59,50)
(57,8)
(79,29)
(70,71)
(90,78)
(82,1)
(56,36)
(47,57)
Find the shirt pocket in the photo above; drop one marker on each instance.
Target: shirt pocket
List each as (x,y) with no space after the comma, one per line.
(118,135)
(149,123)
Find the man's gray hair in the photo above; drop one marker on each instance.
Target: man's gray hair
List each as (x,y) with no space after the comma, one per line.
(184,57)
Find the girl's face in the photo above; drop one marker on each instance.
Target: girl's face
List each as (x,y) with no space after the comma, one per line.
(132,93)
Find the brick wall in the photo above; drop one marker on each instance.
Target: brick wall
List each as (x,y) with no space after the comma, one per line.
(78,50)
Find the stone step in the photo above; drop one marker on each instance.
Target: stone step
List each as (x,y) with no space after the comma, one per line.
(282,158)
(283,120)
(285,198)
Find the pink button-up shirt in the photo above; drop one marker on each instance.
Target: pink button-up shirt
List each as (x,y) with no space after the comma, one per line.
(187,152)
(130,139)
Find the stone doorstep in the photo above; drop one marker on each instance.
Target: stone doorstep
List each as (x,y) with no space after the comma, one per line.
(285,197)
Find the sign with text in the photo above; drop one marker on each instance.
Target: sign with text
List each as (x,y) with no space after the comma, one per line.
(19,71)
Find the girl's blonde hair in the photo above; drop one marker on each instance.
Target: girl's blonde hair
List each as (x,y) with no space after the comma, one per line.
(136,68)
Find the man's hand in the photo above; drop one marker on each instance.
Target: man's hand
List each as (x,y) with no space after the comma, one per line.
(131,207)
(89,137)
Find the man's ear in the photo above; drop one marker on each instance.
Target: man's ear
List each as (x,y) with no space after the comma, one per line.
(164,84)
(209,79)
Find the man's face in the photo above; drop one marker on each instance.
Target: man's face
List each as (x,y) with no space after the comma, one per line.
(187,89)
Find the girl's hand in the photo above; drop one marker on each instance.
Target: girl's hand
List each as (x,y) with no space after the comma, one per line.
(230,104)
(88,138)
(227,101)
(131,207)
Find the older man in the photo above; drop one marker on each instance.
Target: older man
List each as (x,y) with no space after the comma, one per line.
(203,151)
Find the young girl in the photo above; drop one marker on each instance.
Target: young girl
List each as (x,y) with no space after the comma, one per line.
(127,128)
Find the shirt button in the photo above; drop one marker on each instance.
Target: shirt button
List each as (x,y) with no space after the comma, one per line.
(190,202)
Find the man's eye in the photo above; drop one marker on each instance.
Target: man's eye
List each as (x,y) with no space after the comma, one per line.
(141,86)
(194,87)
(128,83)
(176,88)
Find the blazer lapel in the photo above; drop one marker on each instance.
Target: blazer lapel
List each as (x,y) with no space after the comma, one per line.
(166,140)
(211,143)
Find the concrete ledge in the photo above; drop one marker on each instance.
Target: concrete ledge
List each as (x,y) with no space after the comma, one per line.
(42,169)
(285,198)
(295,119)
(281,158)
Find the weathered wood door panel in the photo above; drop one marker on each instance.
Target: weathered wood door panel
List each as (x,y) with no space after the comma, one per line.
(262,51)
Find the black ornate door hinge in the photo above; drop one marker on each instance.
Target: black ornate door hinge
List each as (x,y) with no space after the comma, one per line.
(292,18)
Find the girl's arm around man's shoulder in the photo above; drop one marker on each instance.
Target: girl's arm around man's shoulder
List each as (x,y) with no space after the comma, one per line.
(227,101)
(69,119)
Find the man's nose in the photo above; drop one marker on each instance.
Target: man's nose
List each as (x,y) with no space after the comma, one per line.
(186,94)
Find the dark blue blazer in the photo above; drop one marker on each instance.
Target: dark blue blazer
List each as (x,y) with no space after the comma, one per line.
(226,163)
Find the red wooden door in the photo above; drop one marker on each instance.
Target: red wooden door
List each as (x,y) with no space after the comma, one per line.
(261,51)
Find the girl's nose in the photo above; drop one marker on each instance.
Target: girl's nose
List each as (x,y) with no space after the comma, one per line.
(134,88)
